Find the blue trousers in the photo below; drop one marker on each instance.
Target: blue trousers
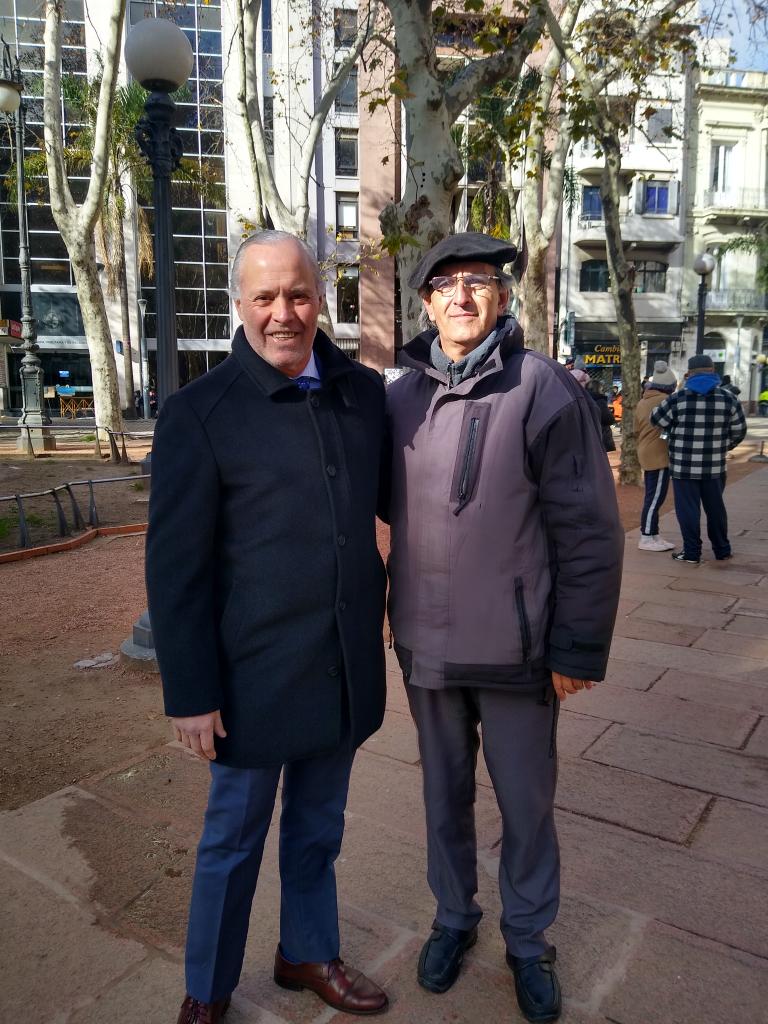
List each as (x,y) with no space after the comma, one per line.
(690,496)
(656,487)
(240,806)
(517,736)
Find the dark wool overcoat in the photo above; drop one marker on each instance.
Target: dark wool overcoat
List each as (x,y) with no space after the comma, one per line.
(266,589)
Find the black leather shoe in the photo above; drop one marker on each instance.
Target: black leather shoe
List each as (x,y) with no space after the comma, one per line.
(441,956)
(536,986)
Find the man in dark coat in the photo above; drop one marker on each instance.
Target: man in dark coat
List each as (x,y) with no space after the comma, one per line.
(266,596)
(504,572)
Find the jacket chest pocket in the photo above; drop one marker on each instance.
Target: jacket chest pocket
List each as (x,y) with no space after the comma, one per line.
(469,454)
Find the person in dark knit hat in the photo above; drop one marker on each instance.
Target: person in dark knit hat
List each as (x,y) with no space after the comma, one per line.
(498,476)
(703,421)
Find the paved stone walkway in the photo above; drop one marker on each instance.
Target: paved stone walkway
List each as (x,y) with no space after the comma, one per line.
(662,814)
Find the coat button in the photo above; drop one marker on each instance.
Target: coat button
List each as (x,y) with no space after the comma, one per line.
(341,540)
(342,606)
(330,469)
(314,401)
(333,670)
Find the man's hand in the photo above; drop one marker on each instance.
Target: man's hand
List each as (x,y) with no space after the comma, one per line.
(565,684)
(198,731)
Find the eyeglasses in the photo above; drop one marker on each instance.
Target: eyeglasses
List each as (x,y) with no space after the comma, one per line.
(477,284)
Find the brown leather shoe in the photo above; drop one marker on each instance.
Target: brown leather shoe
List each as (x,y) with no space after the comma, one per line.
(339,986)
(194,1012)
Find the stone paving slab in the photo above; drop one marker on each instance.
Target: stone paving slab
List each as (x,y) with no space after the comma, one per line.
(632,674)
(734,833)
(710,601)
(169,787)
(663,881)
(720,693)
(396,738)
(88,849)
(675,978)
(688,659)
(667,715)
(632,801)
(758,741)
(747,625)
(707,768)
(680,614)
(660,631)
(154,986)
(721,642)
(57,955)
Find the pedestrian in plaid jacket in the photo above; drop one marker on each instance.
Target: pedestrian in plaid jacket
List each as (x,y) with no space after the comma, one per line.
(703,421)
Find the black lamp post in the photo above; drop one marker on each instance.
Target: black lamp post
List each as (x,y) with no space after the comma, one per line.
(32,401)
(159,57)
(704,264)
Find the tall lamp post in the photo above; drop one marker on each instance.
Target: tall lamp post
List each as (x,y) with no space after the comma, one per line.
(31,373)
(143,363)
(704,264)
(159,57)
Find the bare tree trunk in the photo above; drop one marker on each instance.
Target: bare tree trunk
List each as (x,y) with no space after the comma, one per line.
(621,289)
(77,223)
(534,296)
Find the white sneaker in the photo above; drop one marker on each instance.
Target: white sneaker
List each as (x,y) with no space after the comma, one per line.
(655,543)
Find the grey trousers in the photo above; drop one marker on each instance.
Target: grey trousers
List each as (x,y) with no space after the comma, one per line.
(517,733)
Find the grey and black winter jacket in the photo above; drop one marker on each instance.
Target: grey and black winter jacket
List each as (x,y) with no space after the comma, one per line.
(506,541)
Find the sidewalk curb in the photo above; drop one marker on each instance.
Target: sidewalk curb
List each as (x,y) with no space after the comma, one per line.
(75,542)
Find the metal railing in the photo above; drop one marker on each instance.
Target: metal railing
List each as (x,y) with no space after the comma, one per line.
(734,78)
(56,494)
(27,433)
(737,298)
(736,199)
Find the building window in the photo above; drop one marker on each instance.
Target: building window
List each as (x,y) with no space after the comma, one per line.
(269,124)
(344,26)
(348,296)
(721,166)
(593,276)
(266,26)
(658,126)
(346,97)
(346,215)
(650,276)
(346,152)
(591,203)
(656,197)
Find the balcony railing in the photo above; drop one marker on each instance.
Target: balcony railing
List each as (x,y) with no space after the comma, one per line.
(737,298)
(734,78)
(737,198)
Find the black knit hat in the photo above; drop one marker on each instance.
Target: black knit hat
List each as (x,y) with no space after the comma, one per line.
(700,363)
(467,245)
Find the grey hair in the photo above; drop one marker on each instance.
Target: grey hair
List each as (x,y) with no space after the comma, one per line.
(506,281)
(271,237)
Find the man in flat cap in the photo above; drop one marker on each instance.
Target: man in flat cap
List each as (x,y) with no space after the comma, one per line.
(505,571)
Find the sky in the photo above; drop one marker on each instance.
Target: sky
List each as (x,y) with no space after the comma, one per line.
(749,43)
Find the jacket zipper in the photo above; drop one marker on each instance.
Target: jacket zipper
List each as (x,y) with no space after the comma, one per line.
(522,614)
(469,455)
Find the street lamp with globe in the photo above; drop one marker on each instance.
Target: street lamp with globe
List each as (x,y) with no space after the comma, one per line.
(159,56)
(703,265)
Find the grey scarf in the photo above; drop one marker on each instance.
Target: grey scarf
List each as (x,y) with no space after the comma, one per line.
(466,367)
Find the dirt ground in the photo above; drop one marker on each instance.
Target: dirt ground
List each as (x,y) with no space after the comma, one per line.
(59,723)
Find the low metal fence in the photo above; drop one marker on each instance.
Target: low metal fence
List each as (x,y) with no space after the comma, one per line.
(117,452)
(56,494)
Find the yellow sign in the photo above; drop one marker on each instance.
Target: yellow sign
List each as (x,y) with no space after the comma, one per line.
(603,355)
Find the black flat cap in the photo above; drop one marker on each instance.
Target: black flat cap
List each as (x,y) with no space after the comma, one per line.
(467,245)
